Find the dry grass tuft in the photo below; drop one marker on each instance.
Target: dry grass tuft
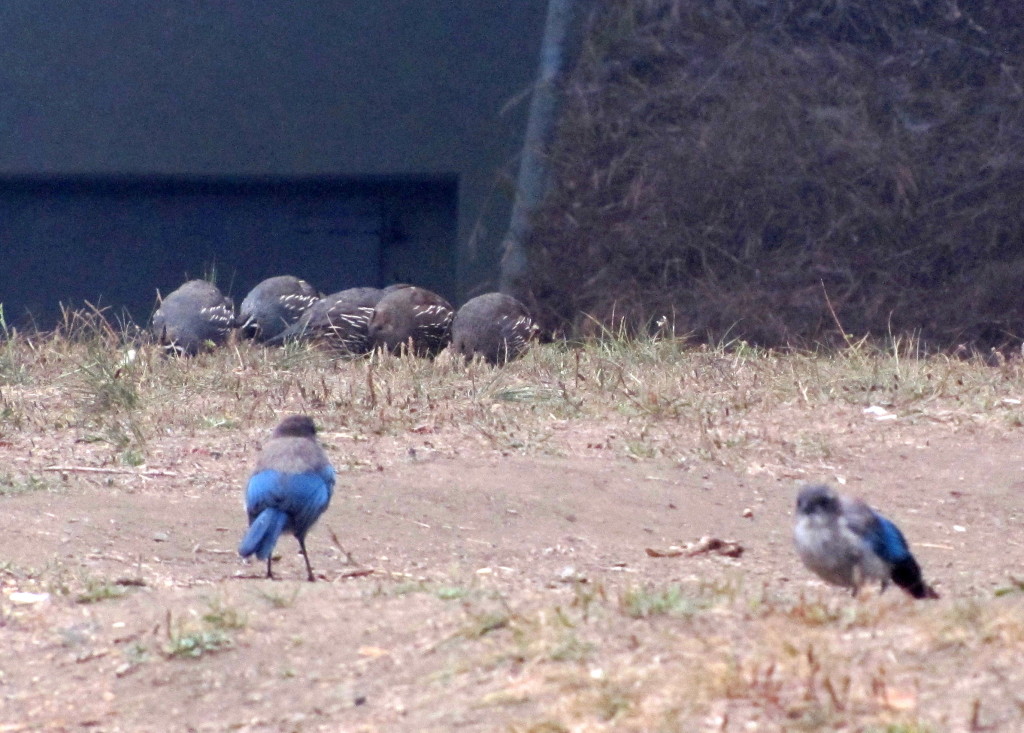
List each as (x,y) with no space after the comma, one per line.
(725,670)
(640,398)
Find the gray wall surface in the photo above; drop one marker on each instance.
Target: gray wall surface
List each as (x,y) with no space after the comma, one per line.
(113,244)
(338,89)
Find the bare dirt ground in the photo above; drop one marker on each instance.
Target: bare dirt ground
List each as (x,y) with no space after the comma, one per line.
(474,587)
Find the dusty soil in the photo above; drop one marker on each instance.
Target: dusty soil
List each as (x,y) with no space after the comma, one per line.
(448,552)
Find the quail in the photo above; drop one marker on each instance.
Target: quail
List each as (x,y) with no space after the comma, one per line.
(411,318)
(494,325)
(273,305)
(338,321)
(193,318)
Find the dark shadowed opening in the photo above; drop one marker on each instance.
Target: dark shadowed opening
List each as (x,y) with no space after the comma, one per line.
(115,242)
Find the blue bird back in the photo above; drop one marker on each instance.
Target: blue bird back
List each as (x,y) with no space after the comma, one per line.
(302,496)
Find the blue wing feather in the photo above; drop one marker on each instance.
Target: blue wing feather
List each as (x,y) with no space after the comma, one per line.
(296,493)
(888,542)
(259,492)
(279,502)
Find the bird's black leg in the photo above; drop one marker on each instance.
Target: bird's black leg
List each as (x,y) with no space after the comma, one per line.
(309,568)
(270,560)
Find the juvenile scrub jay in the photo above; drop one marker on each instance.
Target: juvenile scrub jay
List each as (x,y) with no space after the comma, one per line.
(289,490)
(494,325)
(848,543)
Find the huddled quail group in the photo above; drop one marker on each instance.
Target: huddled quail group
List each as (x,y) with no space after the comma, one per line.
(397,319)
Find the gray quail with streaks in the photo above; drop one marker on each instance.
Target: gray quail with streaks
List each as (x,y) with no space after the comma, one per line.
(273,305)
(494,326)
(411,318)
(339,321)
(194,318)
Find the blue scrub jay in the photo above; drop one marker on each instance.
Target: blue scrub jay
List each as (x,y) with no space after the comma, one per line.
(848,543)
(289,490)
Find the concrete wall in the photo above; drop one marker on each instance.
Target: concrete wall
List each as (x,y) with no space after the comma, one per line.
(250,88)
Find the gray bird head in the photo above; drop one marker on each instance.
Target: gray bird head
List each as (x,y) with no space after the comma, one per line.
(817,499)
(296,426)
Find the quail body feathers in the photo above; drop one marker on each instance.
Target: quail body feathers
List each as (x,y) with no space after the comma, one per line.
(193,318)
(273,305)
(411,317)
(493,325)
(339,321)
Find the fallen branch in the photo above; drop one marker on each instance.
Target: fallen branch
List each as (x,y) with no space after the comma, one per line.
(356,573)
(727,548)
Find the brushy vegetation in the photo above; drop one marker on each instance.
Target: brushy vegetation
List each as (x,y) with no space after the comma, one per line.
(663,396)
(746,167)
(741,660)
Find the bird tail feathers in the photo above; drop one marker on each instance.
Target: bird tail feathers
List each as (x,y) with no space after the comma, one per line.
(907,575)
(263,534)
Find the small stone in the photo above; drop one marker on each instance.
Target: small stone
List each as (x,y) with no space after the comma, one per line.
(28,599)
(569,574)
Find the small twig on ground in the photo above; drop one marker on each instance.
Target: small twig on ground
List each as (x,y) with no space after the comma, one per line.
(96,469)
(828,302)
(337,543)
(357,573)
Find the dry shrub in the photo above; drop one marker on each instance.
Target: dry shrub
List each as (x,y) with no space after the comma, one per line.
(742,165)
